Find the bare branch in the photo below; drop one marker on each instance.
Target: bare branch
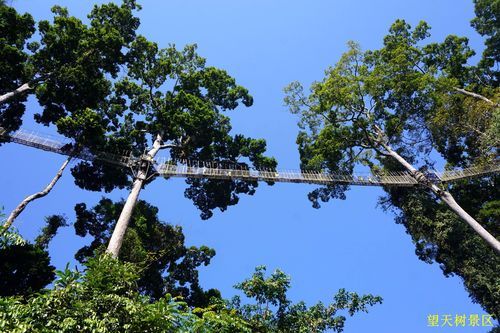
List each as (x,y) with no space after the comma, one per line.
(18,91)
(169,146)
(469,93)
(19,209)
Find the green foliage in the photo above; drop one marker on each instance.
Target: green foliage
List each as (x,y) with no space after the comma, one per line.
(24,269)
(15,30)
(487,22)
(274,312)
(10,237)
(69,68)
(466,130)
(219,316)
(167,265)
(53,223)
(109,295)
(105,300)
(366,98)
(74,58)
(67,277)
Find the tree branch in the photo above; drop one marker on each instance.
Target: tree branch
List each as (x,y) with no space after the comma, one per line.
(18,91)
(19,209)
(469,93)
(373,143)
(169,146)
(23,88)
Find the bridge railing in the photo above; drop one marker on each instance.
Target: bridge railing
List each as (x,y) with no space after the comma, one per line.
(174,169)
(223,170)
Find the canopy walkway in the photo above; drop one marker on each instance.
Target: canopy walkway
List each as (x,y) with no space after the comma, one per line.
(221,170)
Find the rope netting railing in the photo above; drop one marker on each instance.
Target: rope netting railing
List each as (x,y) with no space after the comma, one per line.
(225,170)
(230,170)
(64,146)
(450,175)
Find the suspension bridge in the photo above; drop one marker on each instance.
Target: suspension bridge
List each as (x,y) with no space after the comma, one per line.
(230,171)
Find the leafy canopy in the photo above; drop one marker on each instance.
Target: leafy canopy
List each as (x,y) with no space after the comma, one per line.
(274,312)
(70,65)
(15,31)
(105,298)
(172,96)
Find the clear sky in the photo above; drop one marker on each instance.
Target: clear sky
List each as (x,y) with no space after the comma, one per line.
(265,45)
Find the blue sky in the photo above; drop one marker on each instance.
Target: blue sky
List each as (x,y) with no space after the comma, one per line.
(265,45)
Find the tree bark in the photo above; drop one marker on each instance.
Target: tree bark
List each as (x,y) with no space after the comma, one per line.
(469,93)
(116,241)
(22,89)
(19,209)
(448,199)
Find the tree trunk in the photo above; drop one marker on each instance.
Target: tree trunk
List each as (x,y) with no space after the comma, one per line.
(116,241)
(22,89)
(447,198)
(19,209)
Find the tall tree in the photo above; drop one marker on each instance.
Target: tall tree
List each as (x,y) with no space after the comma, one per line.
(389,109)
(166,264)
(69,72)
(173,101)
(371,108)
(466,131)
